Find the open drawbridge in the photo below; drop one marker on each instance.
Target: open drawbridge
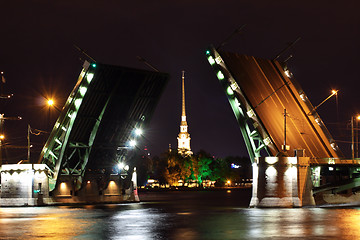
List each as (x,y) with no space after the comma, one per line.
(284,135)
(259,90)
(96,127)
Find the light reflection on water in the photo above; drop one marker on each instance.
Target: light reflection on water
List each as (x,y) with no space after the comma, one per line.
(138,224)
(186,218)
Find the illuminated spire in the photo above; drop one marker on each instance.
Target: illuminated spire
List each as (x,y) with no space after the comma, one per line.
(183,115)
(184,136)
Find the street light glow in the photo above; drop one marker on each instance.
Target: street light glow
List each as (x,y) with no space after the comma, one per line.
(138,131)
(50,102)
(121,165)
(132,143)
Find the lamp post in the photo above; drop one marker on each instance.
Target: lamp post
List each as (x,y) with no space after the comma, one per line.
(353,137)
(337,103)
(333,92)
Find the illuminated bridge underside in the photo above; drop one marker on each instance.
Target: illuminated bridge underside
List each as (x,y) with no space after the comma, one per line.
(97,121)
(260,90)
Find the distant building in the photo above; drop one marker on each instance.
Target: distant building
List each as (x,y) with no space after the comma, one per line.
(184,136)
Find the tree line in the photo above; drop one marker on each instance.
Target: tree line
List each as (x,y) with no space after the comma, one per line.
(172,167)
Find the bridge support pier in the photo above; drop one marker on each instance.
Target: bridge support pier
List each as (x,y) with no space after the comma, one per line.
(97,188)
(281,182)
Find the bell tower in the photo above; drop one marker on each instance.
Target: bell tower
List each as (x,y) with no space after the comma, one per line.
(184,136)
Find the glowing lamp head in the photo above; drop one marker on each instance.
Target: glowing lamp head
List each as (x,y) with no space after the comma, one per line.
(50,102)
(121,165)
(220,75)
(138,131)
(2,136)
(334,92)
(229,91)
(211,60)
(132,143)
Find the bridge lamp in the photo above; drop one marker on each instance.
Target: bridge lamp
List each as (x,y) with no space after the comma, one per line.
(77,103)
(288,73)
(121,165)
(83,91)
(138,131)
(2,137)
(211,60)
(132,143)
(229,91)
(89,77)
(220,75)
(303,97)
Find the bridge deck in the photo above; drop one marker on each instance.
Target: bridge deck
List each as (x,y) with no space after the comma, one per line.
(269,91)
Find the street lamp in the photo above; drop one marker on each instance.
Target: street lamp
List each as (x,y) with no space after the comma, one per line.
(2,137)
(337,103)
(333,92)
(353,118)
(50,102)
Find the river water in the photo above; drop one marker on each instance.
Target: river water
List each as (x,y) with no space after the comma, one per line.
(221,214)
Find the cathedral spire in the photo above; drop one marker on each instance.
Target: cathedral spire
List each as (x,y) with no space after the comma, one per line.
(184,136)
(183,115)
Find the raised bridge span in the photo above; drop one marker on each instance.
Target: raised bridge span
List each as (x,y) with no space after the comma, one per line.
(259,90)
(292,152)
(97,126)
(90,154)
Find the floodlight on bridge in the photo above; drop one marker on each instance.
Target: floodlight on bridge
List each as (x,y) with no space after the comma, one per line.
(132,143)
(211,60)
(229,91)
(220,75)
(138,131)
(121,165)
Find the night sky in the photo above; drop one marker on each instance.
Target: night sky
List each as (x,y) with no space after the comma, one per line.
(38,59)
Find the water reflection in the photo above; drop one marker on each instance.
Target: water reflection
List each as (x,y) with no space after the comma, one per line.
(42,222)
(139,223)
(189,218)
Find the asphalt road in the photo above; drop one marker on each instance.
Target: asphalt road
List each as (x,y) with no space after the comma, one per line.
(270,91)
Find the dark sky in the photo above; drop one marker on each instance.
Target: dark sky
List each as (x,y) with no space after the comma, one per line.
(38,58)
